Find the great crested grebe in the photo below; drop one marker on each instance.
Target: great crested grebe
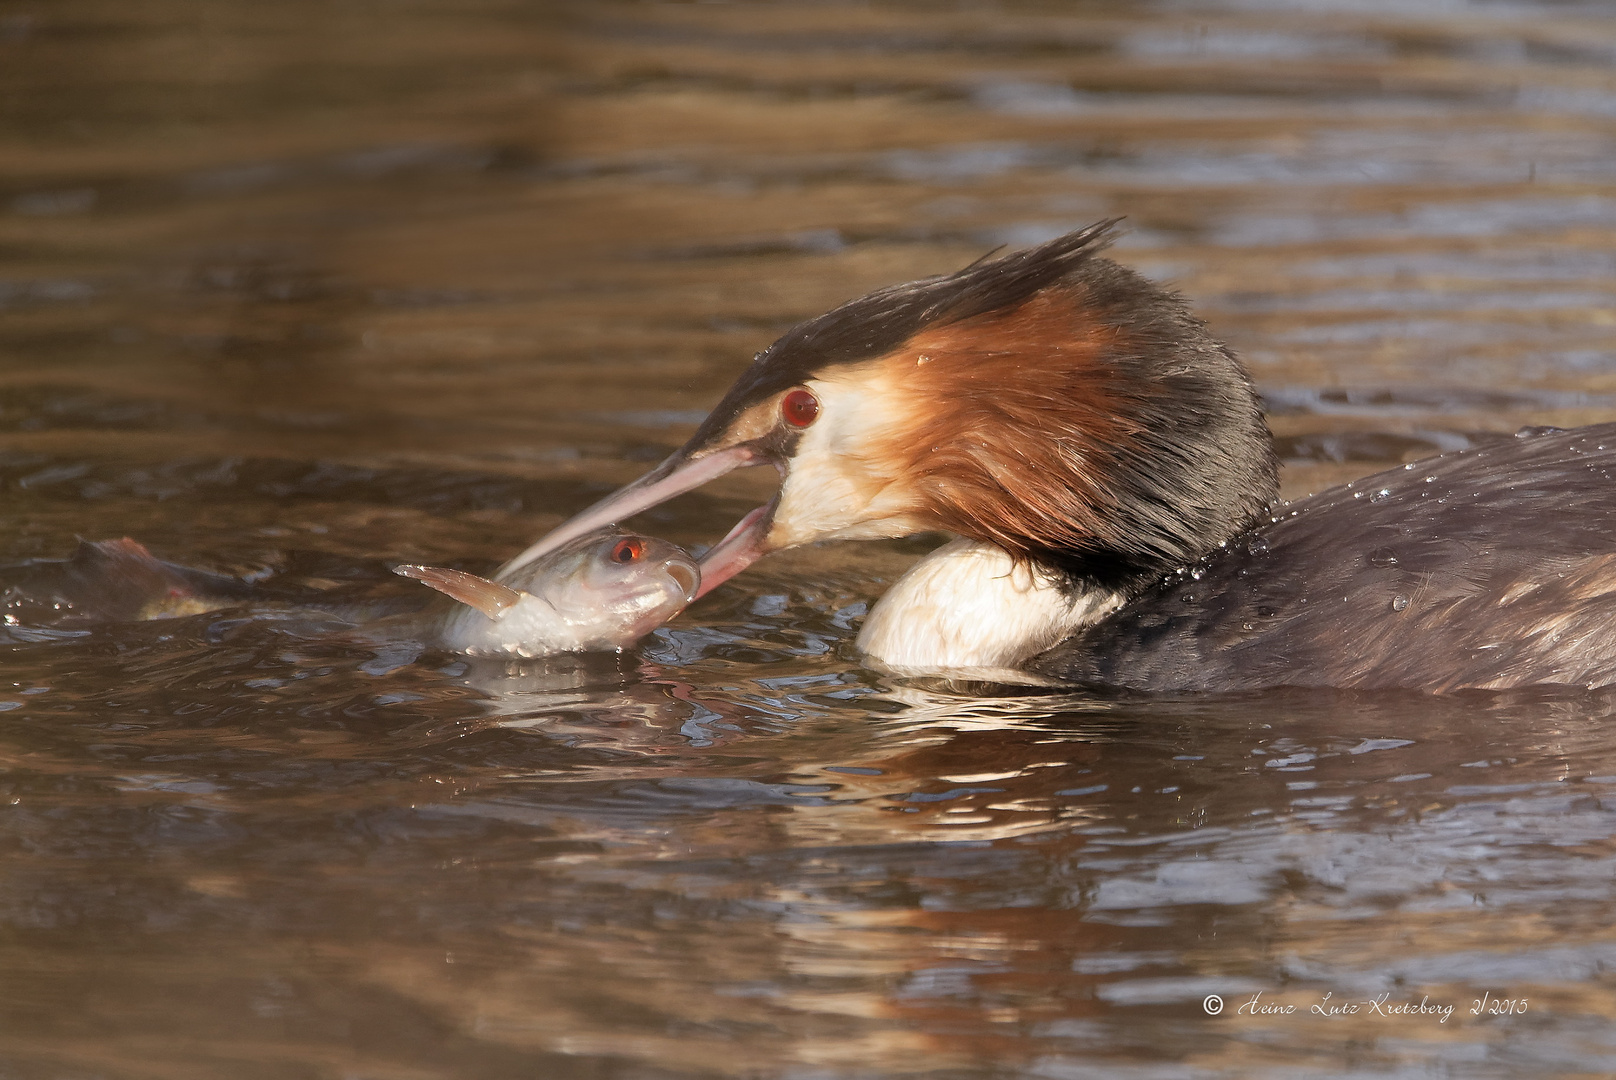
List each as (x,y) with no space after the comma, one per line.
(1106,467)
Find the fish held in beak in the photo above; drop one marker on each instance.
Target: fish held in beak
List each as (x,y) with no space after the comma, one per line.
(675,476)
(599,592)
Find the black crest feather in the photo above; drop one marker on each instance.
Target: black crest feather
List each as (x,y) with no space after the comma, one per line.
(881,321)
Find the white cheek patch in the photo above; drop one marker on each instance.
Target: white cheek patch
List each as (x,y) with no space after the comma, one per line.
(969,605)
(838,487)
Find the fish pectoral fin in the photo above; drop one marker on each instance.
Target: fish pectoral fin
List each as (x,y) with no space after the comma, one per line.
(489,597)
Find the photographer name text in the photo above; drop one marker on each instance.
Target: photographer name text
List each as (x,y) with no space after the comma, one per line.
(1332,1007)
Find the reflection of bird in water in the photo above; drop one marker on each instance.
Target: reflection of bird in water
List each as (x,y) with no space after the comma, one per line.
(1105,465)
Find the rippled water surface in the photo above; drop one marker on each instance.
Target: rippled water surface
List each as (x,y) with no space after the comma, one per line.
(296,291)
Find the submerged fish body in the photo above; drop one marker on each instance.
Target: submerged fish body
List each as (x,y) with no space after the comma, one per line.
(112,581)
(601,592)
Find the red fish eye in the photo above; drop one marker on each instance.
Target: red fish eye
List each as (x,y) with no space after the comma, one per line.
(800,408)
(627,550)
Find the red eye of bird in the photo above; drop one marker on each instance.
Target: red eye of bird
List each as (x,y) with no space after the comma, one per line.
(628,550)
(800,408)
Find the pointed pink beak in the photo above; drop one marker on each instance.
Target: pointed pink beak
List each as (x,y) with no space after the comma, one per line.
(738,550)
(675,476)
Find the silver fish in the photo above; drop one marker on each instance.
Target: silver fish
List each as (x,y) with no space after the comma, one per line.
(600,592)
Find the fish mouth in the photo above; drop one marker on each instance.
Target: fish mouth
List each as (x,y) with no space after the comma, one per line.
(687,575)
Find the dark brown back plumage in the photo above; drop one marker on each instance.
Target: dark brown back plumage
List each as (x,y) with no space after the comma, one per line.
(1490,568)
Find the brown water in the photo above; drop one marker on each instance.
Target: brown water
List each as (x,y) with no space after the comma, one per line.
(299,290)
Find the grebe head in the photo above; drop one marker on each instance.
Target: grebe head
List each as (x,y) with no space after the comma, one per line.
(1049,402)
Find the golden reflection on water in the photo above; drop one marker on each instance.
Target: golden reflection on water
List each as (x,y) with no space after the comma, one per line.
(301,290)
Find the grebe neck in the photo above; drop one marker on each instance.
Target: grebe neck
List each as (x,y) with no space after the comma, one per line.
(970,605)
